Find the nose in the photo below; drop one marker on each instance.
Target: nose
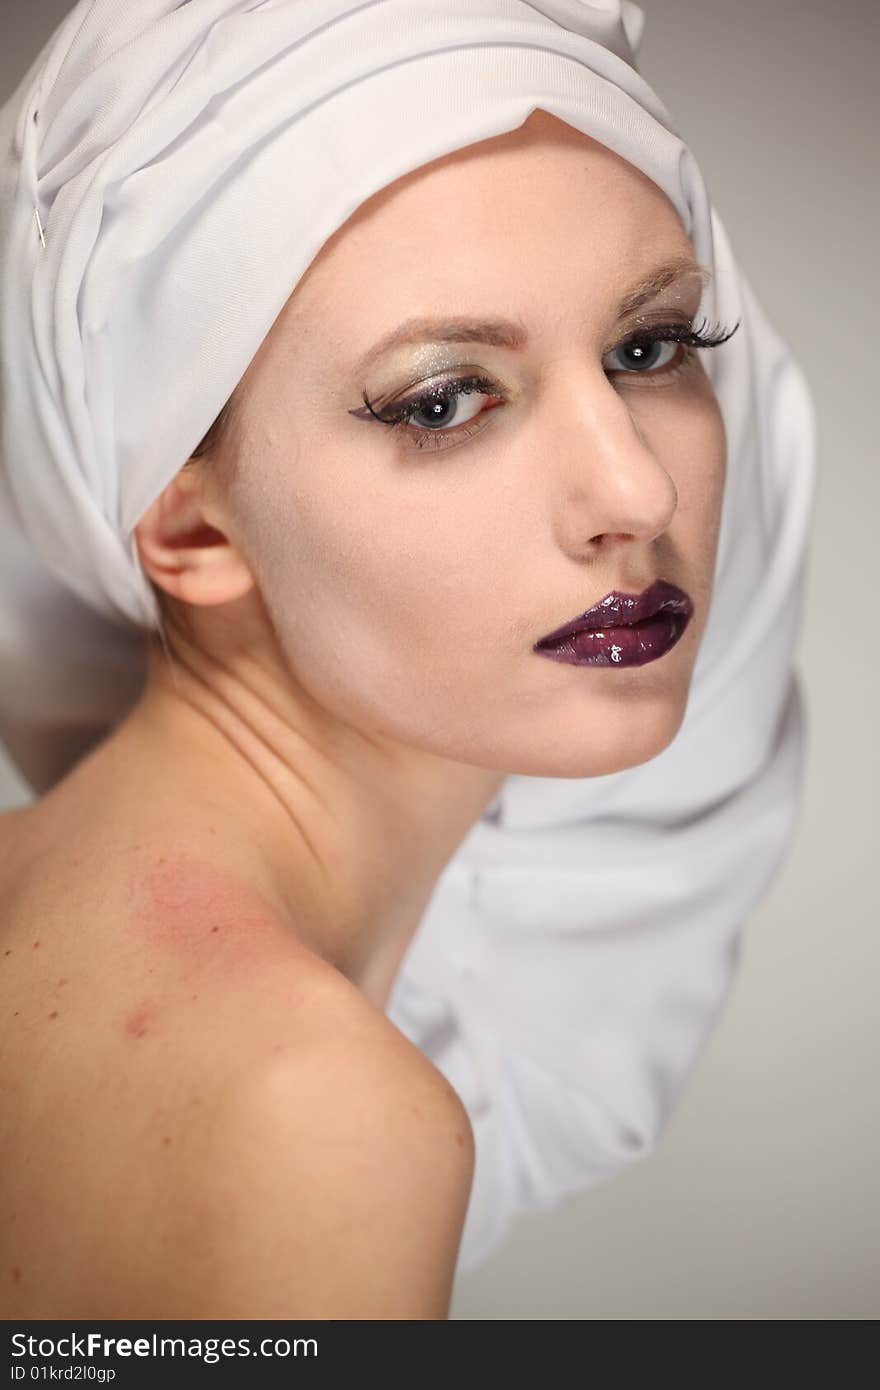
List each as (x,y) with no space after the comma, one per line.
(610,482)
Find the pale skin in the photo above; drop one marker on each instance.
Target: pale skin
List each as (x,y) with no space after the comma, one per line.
(224,890)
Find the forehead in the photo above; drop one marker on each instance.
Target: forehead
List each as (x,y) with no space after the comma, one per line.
(543,183)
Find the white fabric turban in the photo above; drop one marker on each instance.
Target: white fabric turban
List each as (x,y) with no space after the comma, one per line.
(167,173)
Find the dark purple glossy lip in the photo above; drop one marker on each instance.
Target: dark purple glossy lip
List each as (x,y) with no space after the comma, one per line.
(622,610)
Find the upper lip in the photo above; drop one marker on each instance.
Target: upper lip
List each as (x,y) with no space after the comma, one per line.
(622,610)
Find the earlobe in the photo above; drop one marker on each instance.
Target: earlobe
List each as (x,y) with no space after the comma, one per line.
(187,555)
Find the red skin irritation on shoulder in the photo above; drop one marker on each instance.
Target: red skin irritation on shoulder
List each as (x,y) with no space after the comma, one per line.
(138,1021)
(203,915)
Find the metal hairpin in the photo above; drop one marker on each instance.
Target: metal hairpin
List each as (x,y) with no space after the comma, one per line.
(36,209)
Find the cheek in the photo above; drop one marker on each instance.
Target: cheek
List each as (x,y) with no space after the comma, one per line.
(689,439)
(691,443)
(377,578)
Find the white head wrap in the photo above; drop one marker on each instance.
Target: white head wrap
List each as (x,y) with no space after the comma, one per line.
(168,171)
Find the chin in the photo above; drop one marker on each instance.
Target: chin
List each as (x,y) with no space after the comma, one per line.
(598,745)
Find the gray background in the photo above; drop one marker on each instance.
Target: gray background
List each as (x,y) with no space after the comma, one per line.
(763,1199)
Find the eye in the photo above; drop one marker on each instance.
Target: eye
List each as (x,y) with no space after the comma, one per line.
(660,354)
(440,414)
(644,355)
(444,407)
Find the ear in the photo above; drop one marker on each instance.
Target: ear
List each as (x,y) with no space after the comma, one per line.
(186,553)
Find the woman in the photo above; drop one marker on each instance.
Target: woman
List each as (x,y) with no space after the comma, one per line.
(466,403)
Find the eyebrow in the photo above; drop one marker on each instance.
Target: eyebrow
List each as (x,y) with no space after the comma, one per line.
(512,333)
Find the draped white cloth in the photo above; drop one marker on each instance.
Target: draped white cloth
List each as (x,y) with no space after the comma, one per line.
(167,173)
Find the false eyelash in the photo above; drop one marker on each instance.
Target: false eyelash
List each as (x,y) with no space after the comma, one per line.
(706,335)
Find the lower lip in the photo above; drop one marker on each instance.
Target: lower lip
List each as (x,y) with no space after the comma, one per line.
(633,645)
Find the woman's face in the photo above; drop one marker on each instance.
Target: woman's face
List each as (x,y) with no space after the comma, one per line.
(409,571)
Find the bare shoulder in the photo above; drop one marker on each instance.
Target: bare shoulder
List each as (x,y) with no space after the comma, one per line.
(357,1162)
(332,1182)
(239,1131)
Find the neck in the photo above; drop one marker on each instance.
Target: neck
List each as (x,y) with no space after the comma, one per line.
(342,832)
